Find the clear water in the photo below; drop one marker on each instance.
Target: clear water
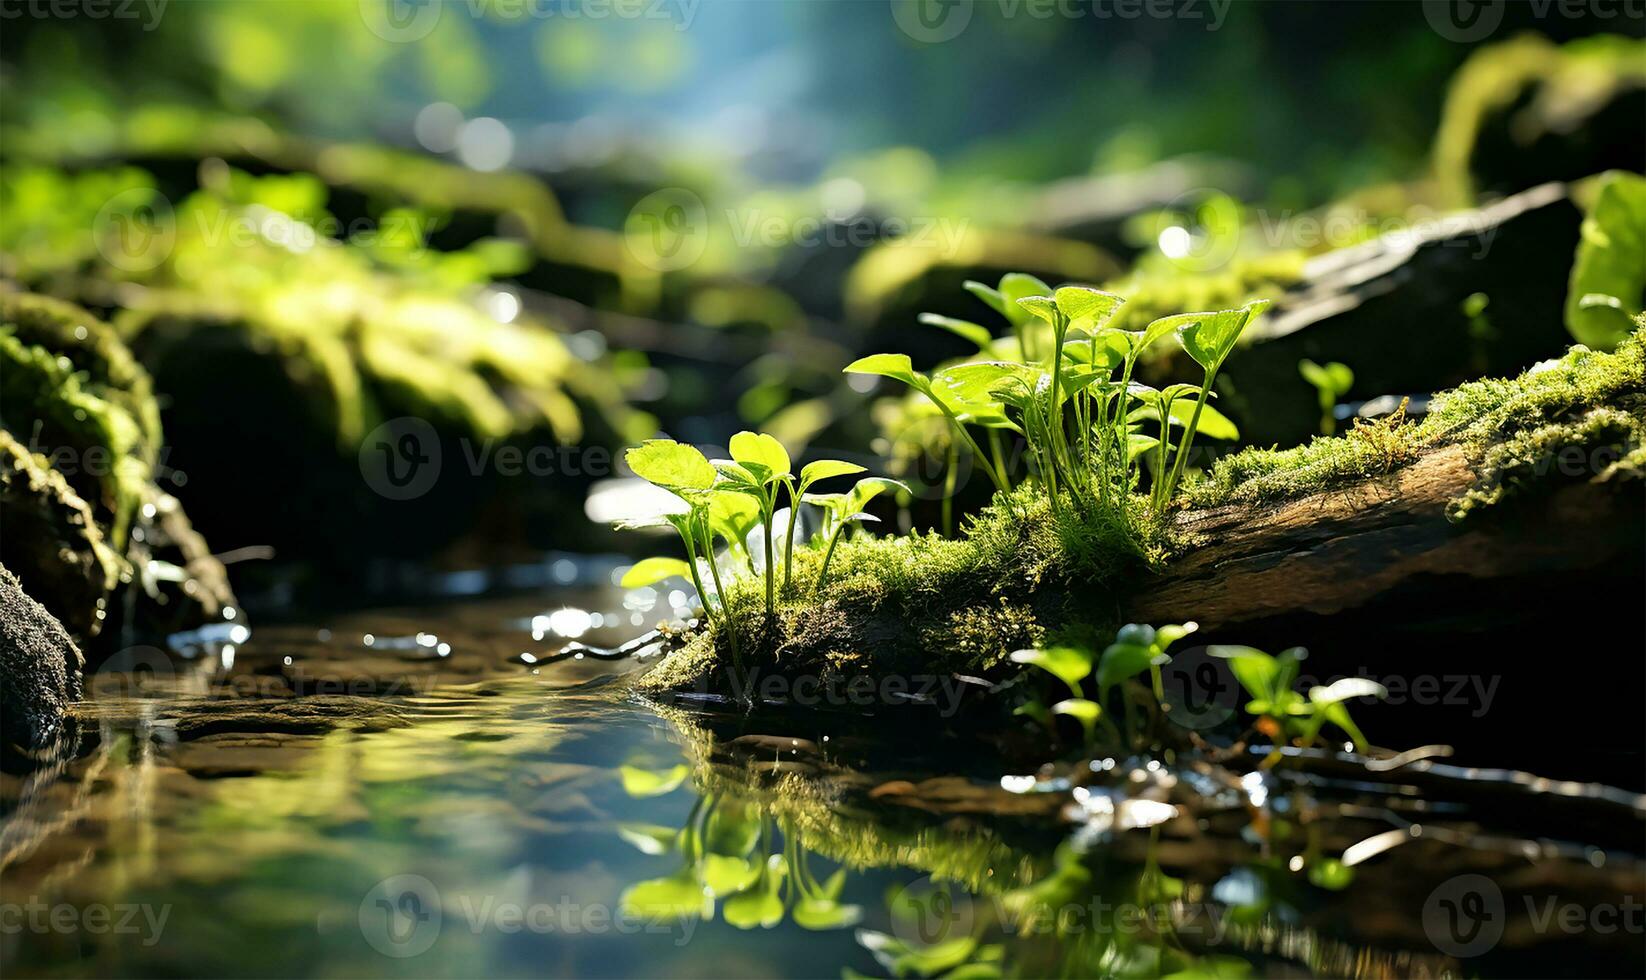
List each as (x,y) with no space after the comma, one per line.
(431,803)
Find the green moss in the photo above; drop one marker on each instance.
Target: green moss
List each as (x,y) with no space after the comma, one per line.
(1512,429)
(52,540)
(49,404)
(923,603)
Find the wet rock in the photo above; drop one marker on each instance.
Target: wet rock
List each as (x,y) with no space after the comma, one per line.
(80,454)
(53,542)
(39,667)
(1398,311)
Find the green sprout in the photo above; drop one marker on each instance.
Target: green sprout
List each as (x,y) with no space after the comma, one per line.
(1283,711)
(1331,381)
(898,367)
(1209,338)
(841,510)
(685,472)
(759,467)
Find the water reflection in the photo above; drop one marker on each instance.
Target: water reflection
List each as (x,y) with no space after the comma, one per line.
(324,807)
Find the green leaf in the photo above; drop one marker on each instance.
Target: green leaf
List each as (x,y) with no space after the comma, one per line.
(1122,661)
(1043,307)
(989,295)
(1108,353)
(678,896)
(650,571)
(897,366)
(869,488)
(1256,671)
(761,906)
(1035,710)
(1014,286)
(649,838)
(727,874)
(1068,664)
(672,465)
(1086,712)
(1169,634)
(758,449)
(1609,272)
(964,329)
(1137,444)
(1213,423)
(1332,379)
(1085,306)
(640,783)
(825,469)
(1209,337)
(1346,688)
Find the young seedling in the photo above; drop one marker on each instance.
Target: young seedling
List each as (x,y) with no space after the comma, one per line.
(1331,381)
(758,467)
(898,367)
(688,474)
(844,509)
(1138,648)
(1269,679)
(1209,338)
(1071,665)
(811,473)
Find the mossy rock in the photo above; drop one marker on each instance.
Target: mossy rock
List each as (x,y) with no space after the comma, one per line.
(53,541)
(81,447)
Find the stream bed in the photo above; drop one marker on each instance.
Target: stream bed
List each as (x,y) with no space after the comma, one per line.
(421,792)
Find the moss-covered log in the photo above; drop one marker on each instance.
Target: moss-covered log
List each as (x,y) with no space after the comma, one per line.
(1503,480)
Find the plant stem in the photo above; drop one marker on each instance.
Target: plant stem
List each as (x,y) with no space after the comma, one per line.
(950,474)
(996,452)
(794,515)
(1188,437)
(977,451)
(767,503)
(697,578)
(834,539)
(725,607)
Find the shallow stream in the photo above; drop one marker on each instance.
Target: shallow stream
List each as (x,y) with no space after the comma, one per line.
(404,793)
